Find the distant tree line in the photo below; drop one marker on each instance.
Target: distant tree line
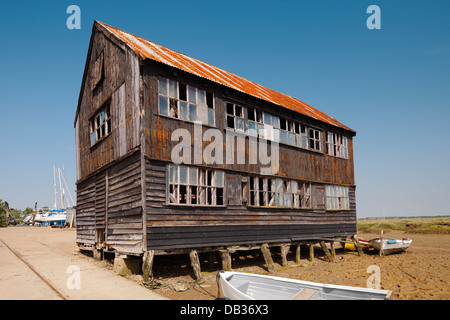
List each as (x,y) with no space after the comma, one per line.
(19,215)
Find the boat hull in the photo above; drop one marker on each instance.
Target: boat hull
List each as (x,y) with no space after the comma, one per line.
(351,246)
(390,245)
(243,286)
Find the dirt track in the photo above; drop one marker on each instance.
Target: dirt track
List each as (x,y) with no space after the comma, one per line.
(420,273)
(43,263)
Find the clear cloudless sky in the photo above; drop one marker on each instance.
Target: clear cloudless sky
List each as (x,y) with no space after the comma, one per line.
(391,85)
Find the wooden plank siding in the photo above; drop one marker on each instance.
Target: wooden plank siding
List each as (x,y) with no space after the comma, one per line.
(111,200)
(178,226)
(85,212)
(295,163)
(125,205)
(119,85)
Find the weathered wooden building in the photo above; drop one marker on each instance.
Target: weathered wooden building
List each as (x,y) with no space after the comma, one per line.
(134,198)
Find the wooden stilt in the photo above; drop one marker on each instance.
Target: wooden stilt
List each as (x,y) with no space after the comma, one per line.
(326,251)
(297,254)
(333,251)
(311,252)
(147,265)
(357,245)
(195,262)
(267,257)
(284,249)
(226,260)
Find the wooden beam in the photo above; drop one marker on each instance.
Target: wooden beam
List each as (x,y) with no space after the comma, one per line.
(326,251)
(268,257)
(147,264)
(195,262)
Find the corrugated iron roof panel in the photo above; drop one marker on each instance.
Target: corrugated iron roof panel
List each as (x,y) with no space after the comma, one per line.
(149,50)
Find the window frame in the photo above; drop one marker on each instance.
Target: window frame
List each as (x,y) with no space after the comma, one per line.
(178,103)
(100,124)
(337,198)
(235,117)
(270,192)
(336,145)
(204,187)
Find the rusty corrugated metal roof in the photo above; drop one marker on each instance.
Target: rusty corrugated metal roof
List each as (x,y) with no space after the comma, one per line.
(149,50)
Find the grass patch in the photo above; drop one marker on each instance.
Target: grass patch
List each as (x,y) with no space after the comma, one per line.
(427,225)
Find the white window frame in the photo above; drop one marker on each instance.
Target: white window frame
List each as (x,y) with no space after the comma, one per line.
(233,115)
(100,124)
(277,192)
(337,197)
(170,104)
(314,139)
(198,187)
(337,145)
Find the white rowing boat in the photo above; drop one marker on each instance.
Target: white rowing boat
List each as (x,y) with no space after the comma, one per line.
(389,246)
(247,286)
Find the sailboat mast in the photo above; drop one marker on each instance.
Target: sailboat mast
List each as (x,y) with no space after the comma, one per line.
(59,178)
(54,184)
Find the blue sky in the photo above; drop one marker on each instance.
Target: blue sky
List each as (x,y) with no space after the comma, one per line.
(390,85)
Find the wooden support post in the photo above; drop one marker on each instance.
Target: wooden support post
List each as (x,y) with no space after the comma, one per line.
(147,265)
(326,251)
(267,257)
(226,260)
(311,252)
(357,245)
(284,249)
(333,251)
(297,254)
(195,262)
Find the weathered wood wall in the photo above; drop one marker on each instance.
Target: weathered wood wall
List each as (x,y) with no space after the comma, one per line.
(125,219)
(111,75)
(171,226)
(111,201)
(294,163)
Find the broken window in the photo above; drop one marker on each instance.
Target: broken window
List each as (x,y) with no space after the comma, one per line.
(336,145)
(235,117)
(279,192)
(195,186)
(337,197)
(290,132)
(315,139)
(101,124)
(185,102)
(287,132)
(255,122)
